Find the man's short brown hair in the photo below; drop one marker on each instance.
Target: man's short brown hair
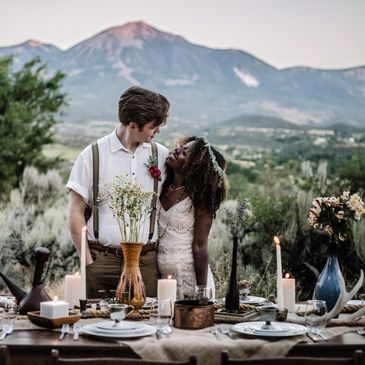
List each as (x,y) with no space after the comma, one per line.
(142,106)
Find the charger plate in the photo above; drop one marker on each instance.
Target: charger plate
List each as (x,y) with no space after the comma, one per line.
(284,329)
(94,331)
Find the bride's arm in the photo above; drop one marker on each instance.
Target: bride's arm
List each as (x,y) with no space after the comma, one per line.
(203,223)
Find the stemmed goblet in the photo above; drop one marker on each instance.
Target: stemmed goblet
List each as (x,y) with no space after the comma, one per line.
(268,314)
(315,316)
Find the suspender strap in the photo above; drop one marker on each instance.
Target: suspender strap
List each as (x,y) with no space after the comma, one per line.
(154,199)
(95,209)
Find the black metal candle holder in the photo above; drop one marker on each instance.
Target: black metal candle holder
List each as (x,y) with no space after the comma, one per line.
(83,310)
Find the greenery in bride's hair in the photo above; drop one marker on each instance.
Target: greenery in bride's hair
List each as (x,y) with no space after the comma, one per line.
(129,203)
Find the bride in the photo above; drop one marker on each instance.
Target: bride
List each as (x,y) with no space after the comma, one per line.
(191,194)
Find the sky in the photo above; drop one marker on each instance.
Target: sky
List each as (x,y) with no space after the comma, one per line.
(318,33)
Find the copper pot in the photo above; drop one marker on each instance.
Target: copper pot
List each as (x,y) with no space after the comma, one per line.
(193,315)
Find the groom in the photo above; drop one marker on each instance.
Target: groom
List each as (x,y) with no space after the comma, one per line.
(125,151)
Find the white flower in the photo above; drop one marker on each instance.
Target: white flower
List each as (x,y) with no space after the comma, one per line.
(130,205)
(333,214)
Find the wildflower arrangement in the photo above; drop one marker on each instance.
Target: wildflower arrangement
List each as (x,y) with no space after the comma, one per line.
(129,203)
(153,168)
(334,215)
(235,221)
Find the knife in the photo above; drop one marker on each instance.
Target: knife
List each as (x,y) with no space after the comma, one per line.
(312,336)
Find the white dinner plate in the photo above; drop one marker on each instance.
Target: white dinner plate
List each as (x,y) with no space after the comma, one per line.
(274,329)
(124,333)
(255,329)
(92,330)
(355,302)
(252,300)
(121,326)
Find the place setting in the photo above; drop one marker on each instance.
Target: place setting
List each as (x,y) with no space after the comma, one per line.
(268,327)
(116,327)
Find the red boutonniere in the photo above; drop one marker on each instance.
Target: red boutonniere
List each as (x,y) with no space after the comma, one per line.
(153,168)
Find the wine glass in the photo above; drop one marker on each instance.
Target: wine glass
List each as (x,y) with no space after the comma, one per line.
(165,311)
(203,293)
(315,316)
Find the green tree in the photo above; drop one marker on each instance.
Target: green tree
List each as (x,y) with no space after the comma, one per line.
(30,102)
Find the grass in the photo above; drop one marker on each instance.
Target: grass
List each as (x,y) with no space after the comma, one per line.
(65,152)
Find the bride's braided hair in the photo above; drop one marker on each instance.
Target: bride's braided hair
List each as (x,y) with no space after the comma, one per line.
(205,179)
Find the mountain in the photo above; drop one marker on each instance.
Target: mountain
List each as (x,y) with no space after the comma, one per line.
(204,85)
(26,51)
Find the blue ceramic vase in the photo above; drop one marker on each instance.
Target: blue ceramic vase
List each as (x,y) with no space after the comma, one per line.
(328,284)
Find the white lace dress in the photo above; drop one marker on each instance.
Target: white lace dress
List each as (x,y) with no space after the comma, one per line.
(175,252)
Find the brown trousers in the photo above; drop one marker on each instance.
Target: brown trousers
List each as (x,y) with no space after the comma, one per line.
(105,271)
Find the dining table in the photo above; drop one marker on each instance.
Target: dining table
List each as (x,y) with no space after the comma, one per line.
(32,344)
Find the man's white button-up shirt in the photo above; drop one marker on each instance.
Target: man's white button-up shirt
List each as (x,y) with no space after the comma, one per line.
(114,159)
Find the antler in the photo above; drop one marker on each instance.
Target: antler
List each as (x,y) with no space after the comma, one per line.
(346,296)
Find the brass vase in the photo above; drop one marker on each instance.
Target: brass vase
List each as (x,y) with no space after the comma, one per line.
(131,289)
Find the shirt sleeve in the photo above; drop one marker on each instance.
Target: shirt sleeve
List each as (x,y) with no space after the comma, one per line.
(163,153)
(80,180)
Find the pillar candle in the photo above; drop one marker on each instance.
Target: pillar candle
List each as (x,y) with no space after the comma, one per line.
(289,293)
(54,308)
(279,281)
(72,289)
(166,289)
(83,264)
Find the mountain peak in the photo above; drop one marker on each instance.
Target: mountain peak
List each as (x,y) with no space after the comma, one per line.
(33,43)
(138,29)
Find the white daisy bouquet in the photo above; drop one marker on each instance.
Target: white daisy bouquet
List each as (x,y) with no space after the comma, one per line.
(130,205)
(335,215)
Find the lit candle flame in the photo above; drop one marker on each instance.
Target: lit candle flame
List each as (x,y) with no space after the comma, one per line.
(287,275)
(77,273)
(169,277)
(84,229)
(55,298)
(276,240)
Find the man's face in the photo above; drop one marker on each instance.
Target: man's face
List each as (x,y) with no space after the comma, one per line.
(147,133)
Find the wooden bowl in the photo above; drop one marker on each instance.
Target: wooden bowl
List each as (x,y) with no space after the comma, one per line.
(45,322)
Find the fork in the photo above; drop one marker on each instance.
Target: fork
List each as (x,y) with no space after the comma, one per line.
(7,330)
(65,329)
(214,331)
(76,330)
(225,330)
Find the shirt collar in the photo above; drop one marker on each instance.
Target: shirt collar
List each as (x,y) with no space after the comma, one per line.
(116,145)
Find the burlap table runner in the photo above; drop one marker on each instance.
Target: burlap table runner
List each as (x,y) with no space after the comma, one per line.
(183,343)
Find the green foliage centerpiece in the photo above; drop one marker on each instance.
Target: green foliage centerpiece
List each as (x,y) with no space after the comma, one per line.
(130,206)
